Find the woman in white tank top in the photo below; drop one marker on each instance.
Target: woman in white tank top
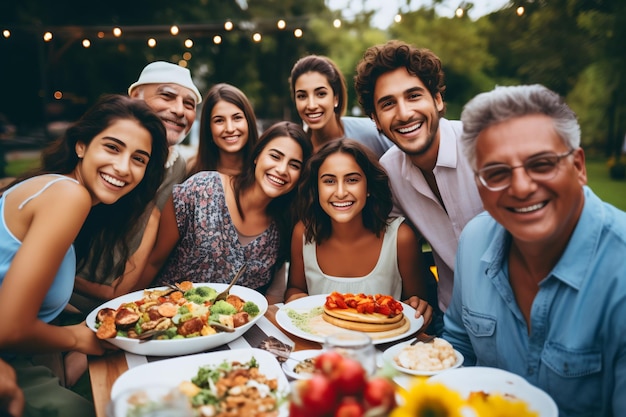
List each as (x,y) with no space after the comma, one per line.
(345,240)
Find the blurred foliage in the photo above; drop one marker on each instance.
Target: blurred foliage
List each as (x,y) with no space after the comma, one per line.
(572,46)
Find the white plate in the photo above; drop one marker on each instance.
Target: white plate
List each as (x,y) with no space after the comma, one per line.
(394,350)
(181,346)
(305,304)
(171,372)
(492,380)
(295,358)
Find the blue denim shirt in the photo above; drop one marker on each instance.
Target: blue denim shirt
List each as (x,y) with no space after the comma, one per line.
(576,350)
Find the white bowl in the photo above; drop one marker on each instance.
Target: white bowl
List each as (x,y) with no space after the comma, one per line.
(390,354)
(171,372)
(185,346)
(297,357)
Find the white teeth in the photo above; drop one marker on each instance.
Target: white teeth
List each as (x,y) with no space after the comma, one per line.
(346,204)
(276,179)
(314,115)
(112,180)
(411,128)
(529,208)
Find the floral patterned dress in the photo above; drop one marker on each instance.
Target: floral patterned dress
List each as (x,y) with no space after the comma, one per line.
(209,249)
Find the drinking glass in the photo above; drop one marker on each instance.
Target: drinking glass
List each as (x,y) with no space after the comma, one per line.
(355,345)
(150,401)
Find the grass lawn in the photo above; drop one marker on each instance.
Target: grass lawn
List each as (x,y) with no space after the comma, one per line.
(611,191)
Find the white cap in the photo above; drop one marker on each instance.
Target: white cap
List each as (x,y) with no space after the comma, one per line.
(161,72)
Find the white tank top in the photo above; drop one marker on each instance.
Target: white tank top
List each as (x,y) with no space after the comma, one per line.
(383,279)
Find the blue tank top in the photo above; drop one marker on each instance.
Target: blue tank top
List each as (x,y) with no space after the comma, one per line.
(61,289)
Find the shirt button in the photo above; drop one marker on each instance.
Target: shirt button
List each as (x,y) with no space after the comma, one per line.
(531,371)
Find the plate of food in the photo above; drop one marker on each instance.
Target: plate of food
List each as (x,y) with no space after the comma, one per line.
(423,359)
(183,319)
(485,381)
(301,364)
(317,316)
(246,373)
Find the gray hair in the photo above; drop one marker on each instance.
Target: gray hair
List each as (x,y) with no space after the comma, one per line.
(505,103)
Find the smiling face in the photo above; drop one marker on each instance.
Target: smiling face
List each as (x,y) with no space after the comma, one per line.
(229,127)
(543,212)
(174,104)
(315,100)
(342,188)
(115,161)
(407,113)
(278,166)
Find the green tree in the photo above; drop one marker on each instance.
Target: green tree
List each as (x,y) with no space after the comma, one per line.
(462,48)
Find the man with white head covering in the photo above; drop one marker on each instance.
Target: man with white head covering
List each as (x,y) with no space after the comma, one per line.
(169,90)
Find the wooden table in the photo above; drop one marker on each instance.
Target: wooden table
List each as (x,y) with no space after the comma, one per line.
(104,370)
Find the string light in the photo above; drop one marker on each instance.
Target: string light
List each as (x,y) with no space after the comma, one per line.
(151,33)
(520,10)
(397,18)
(459,12)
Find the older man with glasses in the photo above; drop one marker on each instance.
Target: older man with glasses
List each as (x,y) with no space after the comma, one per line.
(540,278)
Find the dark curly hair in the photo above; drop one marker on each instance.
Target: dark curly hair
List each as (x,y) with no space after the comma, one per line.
(108,226)
(379,59)
(208,152)
(377,208)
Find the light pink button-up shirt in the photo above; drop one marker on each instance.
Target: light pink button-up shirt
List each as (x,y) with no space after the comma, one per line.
(414,199)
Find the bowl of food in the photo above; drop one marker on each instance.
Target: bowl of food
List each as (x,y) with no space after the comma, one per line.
(182,319)
(301,364)
(423,358)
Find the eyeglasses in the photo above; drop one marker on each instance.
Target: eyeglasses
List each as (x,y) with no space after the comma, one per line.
(540,168)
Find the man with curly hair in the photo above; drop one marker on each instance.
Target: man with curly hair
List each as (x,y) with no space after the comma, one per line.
(401,88)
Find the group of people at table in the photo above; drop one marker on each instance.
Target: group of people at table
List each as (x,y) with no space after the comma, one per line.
(530,262)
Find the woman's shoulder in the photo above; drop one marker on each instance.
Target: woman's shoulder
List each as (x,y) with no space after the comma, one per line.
(406,233)
(65,188)
(200,181)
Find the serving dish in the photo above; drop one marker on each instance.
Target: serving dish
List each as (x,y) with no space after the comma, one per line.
(393,351)
(295,358)
(171,372)
(321,329)
(492,380)
(184,346)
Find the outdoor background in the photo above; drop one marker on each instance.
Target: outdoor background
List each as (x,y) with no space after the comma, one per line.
(57,57)
(574,47)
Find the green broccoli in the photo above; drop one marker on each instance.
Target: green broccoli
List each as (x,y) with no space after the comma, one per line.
(199,295)
(222,307)
(251,308)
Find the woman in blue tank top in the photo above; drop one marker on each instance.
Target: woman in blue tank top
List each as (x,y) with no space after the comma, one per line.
(93,185)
